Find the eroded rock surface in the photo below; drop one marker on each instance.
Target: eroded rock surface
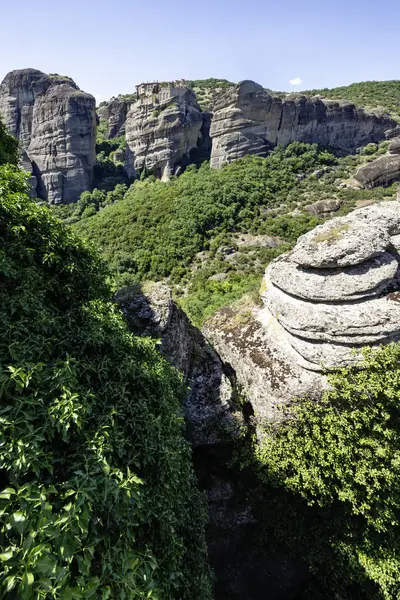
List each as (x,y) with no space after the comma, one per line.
(114,112)
(56,125)
(329,313)
(384,170)
(249,120)
(210,403)
(332,295)
(161,131)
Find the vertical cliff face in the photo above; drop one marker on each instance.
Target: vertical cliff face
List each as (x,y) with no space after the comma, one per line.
(161,130)
(56,125)
(249,120)
(62,146)
(114,112)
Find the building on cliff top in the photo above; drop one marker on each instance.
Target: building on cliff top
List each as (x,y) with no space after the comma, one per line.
(148,89)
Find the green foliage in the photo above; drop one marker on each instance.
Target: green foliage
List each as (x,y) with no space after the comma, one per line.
(342,456)
(372,95)
(97,493)
(211,83)
(107,146)
(161,227)
(9,146)
(89,204)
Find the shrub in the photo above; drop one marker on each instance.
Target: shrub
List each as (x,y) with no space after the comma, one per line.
(97,493)
(342,456)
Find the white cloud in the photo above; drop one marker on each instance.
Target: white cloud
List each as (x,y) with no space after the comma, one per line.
(295,81)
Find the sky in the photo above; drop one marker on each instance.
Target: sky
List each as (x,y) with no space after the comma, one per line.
(108,47)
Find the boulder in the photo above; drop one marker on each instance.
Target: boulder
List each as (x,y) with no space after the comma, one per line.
(394,146)
(384,170)
(365,279)
(314,319)
(323,208)
(249,120)
(326,313)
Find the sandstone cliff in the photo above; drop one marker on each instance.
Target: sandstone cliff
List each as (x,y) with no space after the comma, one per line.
(249,120)
(114,112)
(161,131)
(56,125)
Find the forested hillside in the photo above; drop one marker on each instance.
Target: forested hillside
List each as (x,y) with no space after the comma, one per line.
(188,230)
(97,493)
(372,95)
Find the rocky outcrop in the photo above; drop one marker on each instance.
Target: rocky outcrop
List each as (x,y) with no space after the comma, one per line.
(211,399)
(249,120)
(161,131)
(56,125)
(324,208)
(114,112)
(333,294)
(384,170)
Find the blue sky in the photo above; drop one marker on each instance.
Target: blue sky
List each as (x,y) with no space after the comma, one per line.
(109,46)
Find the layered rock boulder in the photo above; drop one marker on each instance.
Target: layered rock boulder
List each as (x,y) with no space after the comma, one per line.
(56,124)
(337,291)
(384,170)
(249,120)
(161,131)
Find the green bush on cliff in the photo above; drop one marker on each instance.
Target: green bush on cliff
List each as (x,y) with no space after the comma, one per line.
(8,146)
(341,456)
(98,498)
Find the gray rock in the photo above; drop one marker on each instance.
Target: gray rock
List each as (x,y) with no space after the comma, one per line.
(328,314)
(257,241)
(210,402)
(392,133)
(114,112)
(55,123)
(218,277)
(380,214)
(363,280)
(161,131)
(341,242)
(249,120)
(62,145)
(356,323)
(270,372)
(322,208)
(394,146)
(384,171)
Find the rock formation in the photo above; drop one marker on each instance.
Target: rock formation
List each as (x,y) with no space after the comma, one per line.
(384,170)
(161,131)
(333,294)
(210,403)
(249,120)
(114,112)
(56,125)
